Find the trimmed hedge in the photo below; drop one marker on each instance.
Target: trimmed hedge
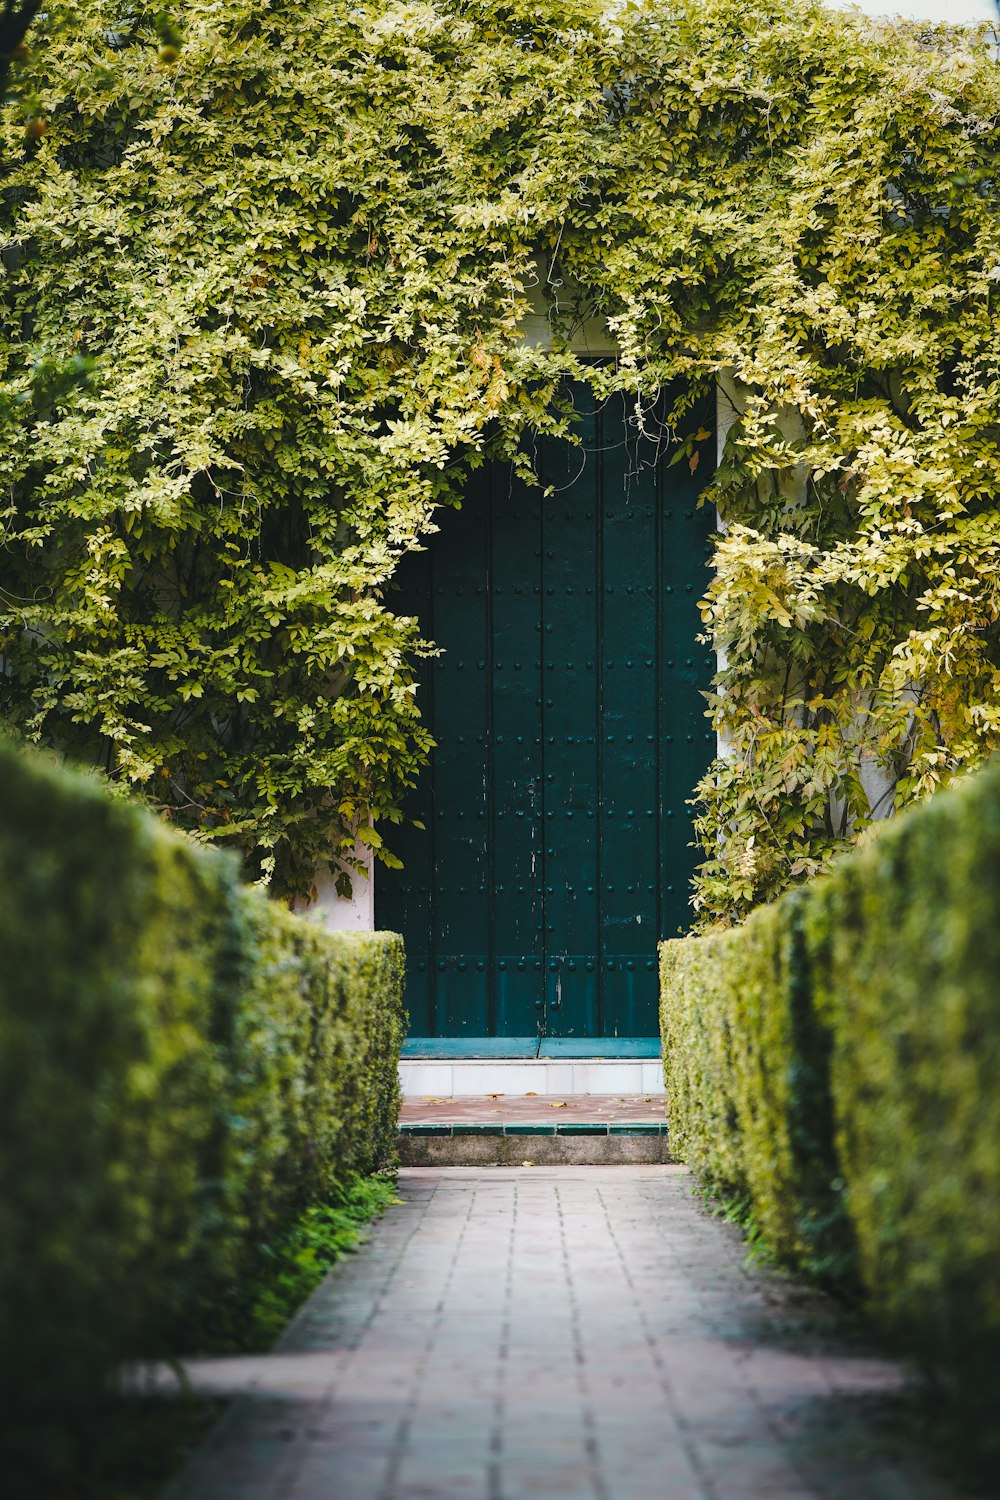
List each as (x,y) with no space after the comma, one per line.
(183,1067)
(837,1058)
(747,1067)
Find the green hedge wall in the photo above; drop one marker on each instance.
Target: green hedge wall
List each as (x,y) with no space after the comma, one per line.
(183,1067)
(837,1059)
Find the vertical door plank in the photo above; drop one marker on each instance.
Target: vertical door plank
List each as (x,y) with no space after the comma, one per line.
(516,761)
(629,781)
(569,727)
(461,802)
(404,898)
(686,739)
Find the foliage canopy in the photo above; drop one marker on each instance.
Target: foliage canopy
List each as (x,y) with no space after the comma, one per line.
(299,244)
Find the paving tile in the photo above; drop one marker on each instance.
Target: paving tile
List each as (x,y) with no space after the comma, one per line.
(561,1333)
(559,1103)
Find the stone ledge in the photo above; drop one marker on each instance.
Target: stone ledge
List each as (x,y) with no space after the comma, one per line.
(554,1148)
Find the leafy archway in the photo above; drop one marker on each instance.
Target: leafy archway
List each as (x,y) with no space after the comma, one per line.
(299,246)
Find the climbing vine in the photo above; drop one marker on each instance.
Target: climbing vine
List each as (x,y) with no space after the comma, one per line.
(298,243)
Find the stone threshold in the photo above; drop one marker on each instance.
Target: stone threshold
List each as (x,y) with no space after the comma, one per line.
(580,1144)
(498,1130)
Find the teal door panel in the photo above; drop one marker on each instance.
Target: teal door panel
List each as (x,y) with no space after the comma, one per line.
(629,831)
(411,892)
(569,718)
(511,516)
(461,871)
(570,709)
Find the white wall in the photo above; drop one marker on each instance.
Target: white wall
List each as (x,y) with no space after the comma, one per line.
(355,913)
(588,336)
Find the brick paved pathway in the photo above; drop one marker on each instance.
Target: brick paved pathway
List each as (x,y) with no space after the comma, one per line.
(566,1333)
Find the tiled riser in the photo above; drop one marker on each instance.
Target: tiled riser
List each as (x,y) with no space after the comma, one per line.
(447,1079)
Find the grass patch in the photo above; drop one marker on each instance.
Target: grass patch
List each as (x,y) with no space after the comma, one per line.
(737,1208)
(293,1265)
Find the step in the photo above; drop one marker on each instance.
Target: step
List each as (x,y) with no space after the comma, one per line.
(449,1066)
(557,1150)
(580,1130)
(532,1076)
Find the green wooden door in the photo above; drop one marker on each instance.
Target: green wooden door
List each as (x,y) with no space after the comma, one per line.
(568,712)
